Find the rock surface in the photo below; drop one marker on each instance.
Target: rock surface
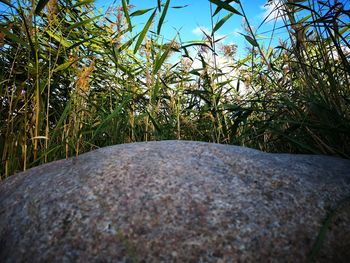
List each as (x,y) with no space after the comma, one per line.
(176,201)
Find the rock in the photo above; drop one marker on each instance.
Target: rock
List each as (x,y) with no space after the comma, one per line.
(176,201)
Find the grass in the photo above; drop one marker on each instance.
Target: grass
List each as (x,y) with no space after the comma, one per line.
(72,81)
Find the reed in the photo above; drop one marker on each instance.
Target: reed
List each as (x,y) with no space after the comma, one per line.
(73,80)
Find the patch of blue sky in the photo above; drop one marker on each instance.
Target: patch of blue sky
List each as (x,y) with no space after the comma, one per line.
(189,21)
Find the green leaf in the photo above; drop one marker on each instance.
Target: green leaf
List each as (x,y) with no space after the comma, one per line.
(224,83)
(218,9)
(67,64)
(13,37)
(126,14)
(63,66)
(154,122)
(76,44)
(344,29)
(220,39)
(269,53)
(60,122)
(60,39)
(116,112)
(221,22)
(155,91)
(86,2)
(251,40)
(161,60)
(196,71)
(41,4)
(202,44)
(82,23)
(301,21)
(144,31)
(326,225)
(161,20)
(226,6)
(179,6)
(127,44)
(140,12)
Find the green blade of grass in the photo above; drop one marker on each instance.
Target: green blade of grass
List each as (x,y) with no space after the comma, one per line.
(325,226)
(81,23)
(13,37)
(162,17)
(251,40)
(66,65)
(127,44)
(59,39)
(140,12)
(81,42)
(40,6)
(154,122)
(60,122)
(144,32)
(63,66)
(86,2)
(198,43)
(225,6)
(117,111)
(218,9)
(161,60)
(221,22)
(126,14)
(179,6)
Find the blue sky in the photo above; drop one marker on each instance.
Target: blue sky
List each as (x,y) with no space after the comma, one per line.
(196,15)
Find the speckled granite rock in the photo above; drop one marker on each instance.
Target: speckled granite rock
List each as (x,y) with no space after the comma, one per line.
(175,201)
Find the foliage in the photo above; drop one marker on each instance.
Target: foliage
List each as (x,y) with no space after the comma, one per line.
(73,80)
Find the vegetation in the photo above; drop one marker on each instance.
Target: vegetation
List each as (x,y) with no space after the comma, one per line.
(73,80)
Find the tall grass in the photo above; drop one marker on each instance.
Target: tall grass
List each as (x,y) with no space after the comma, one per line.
(73,80)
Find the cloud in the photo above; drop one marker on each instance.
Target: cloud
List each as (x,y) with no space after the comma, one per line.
(199,30)
(236,31)
(272,11)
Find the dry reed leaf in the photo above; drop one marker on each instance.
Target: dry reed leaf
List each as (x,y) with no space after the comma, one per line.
(83,78)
